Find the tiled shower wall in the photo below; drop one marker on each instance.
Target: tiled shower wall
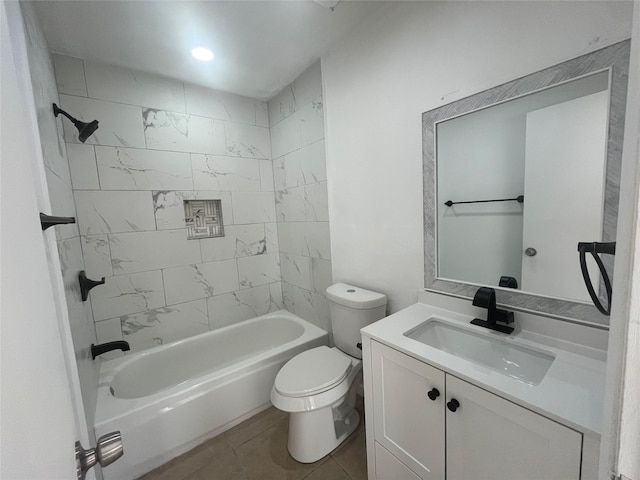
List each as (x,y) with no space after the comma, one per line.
(160,142)
(300,176)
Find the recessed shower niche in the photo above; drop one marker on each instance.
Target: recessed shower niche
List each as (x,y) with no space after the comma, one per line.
(203,219)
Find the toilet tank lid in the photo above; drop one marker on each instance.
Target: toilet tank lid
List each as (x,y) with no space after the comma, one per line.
(355,297)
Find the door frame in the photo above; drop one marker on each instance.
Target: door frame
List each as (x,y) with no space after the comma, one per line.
(42,409)
(620,441)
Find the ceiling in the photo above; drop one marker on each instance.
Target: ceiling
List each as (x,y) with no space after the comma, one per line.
(260,46)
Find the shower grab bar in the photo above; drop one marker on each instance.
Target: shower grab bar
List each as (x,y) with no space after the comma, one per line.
(519,199)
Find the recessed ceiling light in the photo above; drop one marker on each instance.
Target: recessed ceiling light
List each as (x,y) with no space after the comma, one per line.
(202,53)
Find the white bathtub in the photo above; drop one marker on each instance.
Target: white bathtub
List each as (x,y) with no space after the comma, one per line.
(168,399)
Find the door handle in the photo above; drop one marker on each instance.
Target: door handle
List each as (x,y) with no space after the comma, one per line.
(108,450)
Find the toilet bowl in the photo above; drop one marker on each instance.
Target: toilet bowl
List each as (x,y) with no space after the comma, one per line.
(318,387)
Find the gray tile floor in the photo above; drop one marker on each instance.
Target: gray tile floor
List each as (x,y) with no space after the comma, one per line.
(256,449)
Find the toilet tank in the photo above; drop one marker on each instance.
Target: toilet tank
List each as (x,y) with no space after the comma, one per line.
(352,308)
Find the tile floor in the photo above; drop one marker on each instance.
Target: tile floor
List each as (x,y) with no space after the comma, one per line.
(256,449)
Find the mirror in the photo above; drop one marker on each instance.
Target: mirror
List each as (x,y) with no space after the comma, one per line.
(493,167)
(517,175)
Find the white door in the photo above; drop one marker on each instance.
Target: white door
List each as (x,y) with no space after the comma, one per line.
(39,421)
(563,191)
(407,421)
(490,438)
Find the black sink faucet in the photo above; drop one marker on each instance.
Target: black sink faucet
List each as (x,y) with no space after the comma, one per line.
(107,347)
(486,297)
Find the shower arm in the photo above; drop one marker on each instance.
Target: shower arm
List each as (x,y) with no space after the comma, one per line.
(57,110)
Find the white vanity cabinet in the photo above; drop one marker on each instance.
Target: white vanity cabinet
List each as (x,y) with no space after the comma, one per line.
(486,437)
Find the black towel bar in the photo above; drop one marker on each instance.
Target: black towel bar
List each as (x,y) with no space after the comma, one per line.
(519,199)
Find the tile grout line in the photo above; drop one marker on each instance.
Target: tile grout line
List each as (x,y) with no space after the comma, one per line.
(147,107)
(253,436)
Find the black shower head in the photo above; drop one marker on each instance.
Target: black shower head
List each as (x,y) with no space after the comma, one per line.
(84,129)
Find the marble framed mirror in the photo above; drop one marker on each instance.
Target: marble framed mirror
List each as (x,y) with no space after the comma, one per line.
(510,125)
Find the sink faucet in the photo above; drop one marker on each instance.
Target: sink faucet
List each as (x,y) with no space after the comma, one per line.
(107,347)
(486,297)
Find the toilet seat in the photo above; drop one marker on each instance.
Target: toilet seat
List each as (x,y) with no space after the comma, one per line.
(330,394)
(312,372)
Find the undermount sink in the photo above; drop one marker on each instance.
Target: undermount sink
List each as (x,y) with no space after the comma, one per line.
(523,363)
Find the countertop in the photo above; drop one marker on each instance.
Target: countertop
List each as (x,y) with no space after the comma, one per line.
(570,393)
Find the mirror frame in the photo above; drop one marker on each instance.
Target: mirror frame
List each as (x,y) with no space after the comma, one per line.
(614,58)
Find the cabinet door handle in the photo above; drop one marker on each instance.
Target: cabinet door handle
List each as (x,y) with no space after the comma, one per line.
(453,405)
(433,393)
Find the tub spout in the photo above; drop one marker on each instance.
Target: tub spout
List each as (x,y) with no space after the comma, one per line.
(107,347)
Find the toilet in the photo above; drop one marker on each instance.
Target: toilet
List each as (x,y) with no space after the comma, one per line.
(318,387)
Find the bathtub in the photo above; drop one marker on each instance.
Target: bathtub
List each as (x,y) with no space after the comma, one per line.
(170,398)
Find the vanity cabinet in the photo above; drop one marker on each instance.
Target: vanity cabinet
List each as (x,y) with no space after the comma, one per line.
(463,431)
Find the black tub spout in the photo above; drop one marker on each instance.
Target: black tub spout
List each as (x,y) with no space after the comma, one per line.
(107,347)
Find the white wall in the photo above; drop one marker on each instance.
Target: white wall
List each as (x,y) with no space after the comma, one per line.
(411,58)
(36,420)
(65,260)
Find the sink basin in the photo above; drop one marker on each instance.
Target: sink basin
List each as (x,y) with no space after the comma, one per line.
(525,364)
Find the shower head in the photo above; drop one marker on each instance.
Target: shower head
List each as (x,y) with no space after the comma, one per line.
(84,129)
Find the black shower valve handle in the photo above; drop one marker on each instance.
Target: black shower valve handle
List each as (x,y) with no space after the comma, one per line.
(87,284)
(47,221)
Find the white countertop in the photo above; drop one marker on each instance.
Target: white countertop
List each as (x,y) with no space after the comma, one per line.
(571,392)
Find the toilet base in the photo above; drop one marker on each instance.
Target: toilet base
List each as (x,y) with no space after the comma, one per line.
(314,434)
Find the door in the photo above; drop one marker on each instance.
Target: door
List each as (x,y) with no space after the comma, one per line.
(389,467)
(40,419)
(408,406)
(564,168)
(491,438)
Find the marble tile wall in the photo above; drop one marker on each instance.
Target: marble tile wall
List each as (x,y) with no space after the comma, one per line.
(160,142)
(300,181)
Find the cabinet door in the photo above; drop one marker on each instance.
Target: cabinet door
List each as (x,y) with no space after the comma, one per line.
(407,422)
(389,467)
(489,437)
